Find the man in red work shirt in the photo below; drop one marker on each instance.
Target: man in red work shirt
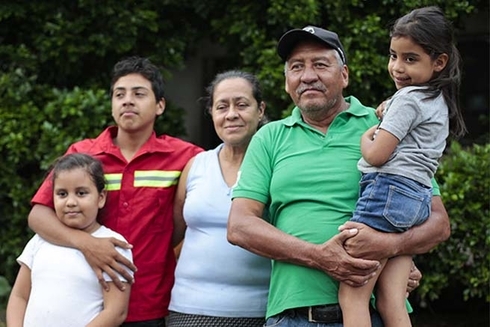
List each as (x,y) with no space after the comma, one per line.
(142,171)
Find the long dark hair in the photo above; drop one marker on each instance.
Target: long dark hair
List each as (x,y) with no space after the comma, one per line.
(433,32)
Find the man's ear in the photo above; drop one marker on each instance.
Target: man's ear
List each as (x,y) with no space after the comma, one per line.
(345,76)
(160,107)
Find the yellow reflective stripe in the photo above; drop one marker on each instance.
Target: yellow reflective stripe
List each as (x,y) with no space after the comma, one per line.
(113,182)
(156,178)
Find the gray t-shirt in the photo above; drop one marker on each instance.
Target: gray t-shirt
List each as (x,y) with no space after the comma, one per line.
(422,127)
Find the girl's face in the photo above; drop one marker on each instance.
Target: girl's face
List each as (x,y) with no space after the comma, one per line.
(236,113)
(76,200)
(409,64)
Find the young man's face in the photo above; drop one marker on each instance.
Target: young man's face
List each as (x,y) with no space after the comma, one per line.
(134,107)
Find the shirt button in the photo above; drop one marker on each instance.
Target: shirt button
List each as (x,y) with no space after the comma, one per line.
(125,204)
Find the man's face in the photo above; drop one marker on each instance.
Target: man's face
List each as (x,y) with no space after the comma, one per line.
(134,107)
(315,78)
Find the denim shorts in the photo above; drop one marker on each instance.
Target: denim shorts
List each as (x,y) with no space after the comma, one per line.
(392,203)
(291,319)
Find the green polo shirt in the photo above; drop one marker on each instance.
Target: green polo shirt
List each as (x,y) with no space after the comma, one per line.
(310,183)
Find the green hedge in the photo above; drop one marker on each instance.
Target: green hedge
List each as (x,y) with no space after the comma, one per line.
(463,261)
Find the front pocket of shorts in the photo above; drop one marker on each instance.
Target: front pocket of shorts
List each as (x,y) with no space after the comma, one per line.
(275,320)
(403,208)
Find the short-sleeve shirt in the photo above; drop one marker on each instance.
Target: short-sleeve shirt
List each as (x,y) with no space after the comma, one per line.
(65,291)
(421,125)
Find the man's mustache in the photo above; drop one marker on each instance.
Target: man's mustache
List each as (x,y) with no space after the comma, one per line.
(307,87)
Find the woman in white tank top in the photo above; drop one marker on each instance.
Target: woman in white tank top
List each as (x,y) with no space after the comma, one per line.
(216,283)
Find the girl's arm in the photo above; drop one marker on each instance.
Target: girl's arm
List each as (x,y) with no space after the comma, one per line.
(377,151)
(115,307)
(19,296)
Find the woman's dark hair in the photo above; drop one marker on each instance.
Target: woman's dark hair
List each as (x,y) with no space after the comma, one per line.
(142,66)
(433,32)
(81,161)
(250,78)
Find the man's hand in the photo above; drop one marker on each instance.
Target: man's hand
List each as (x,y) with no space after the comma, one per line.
(368,243)
(336,262)
(102,256)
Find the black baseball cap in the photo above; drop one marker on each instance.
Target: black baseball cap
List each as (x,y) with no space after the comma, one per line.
(288,41)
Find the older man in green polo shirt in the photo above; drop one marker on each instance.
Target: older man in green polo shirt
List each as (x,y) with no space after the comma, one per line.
(303,169)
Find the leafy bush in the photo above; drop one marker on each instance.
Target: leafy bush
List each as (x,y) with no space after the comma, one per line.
(4,292)
(464,259)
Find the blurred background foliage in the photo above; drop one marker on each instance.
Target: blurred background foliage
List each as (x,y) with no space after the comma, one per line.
(55,63)
(463,261)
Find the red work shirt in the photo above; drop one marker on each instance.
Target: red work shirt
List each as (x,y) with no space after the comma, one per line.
(140,207)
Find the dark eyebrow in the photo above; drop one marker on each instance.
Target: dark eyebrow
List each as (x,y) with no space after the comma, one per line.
(405,54)
(234,99)
(412,54)
(135,88)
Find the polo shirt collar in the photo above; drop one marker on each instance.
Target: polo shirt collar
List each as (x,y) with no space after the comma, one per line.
(356,109)
(154,143)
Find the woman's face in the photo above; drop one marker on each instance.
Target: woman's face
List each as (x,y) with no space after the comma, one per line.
(235,111)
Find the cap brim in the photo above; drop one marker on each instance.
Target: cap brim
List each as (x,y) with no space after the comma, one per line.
(289,40)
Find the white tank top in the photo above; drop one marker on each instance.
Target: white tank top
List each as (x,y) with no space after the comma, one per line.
(213,277)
